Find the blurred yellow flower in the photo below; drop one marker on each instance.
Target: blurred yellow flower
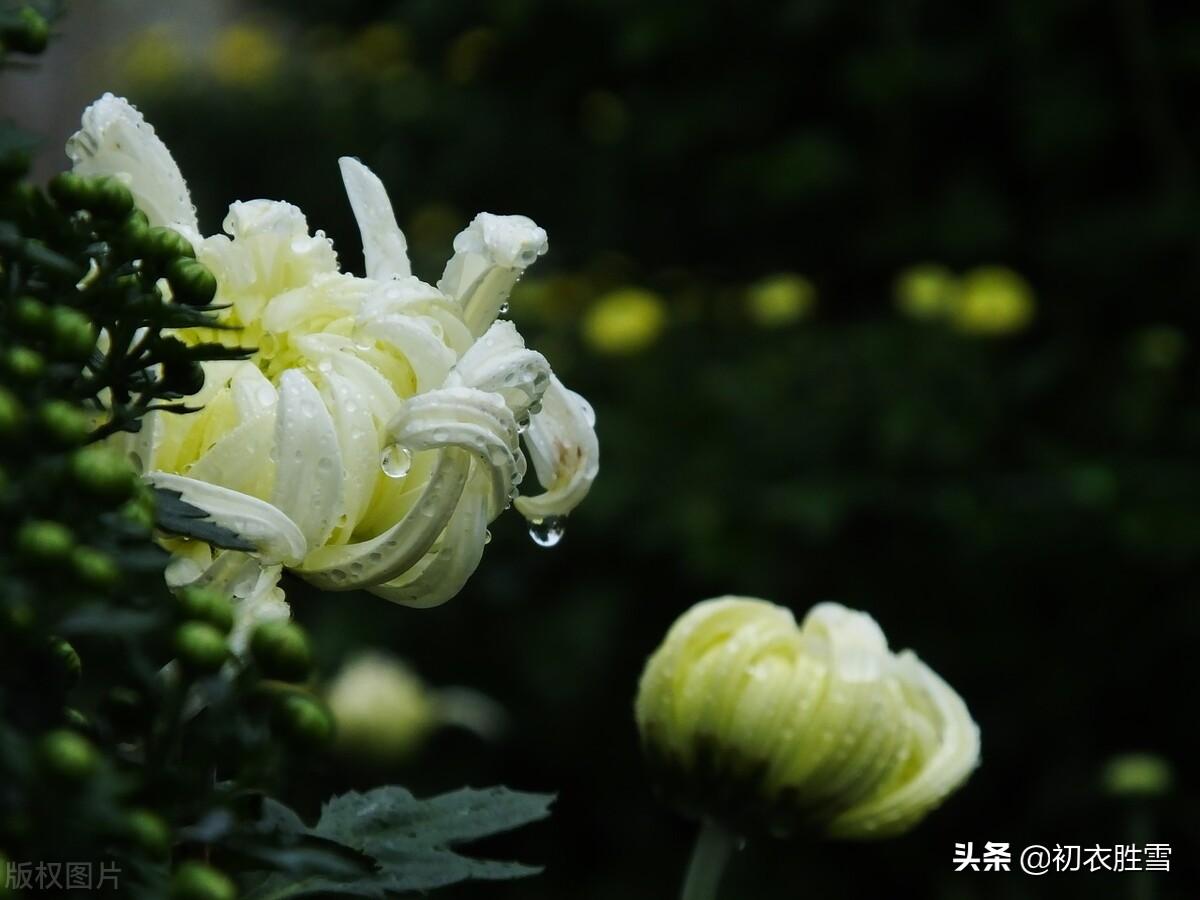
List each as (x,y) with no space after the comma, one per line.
(625,321)
(992,300)
(468,54)
(245,55)
(780,300)
(1137,775)
(926,291)
(761,725)
(382,709)
(154,56)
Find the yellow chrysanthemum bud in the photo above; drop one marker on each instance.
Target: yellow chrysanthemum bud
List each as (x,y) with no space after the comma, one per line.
(626,320)
(780,300)
(926,291)
(752,721)
(992,300)
(382,709)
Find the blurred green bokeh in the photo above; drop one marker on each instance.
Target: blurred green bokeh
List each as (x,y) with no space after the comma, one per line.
(1002,467)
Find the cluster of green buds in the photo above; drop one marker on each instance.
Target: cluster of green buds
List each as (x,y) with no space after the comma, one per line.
(127,718)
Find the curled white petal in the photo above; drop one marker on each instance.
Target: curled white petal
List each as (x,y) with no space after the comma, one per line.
(276,537)
(500,363)
(402,546)
(417,343)
(566,454)
(473,420)
(308,465)
(116,140)
(384,247)
(489,257)
(449,564)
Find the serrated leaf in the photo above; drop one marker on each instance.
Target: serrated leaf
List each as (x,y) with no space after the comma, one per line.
(175,515)
(413,840)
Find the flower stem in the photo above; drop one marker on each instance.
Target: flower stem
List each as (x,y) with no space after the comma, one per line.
(713,847)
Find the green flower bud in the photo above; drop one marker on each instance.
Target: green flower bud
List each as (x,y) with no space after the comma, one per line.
(94,568)
(183,376)
(201,648)
(73,336)
(103,472)
(166,244)
(113,199)
(30,315)
(67,664)
(281,651)
(764,726)
(24,364)
(139,510)
(30,35)
(67,755)
(304,719)
(67,424)
(197,881)
(44,542)
(70,191)
(148,831)
(191,282)
(207,605)
(12,416)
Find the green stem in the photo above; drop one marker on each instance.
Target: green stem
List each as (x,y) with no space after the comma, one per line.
(714,845)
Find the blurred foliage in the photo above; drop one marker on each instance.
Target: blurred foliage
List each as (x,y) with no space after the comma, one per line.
(1022,511)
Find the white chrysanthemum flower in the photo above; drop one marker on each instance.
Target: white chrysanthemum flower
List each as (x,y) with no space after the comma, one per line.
(375,432)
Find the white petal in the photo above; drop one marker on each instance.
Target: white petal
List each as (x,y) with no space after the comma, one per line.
(489,257)
(566,455)
(275,537)
(398,549)
(476,421)
(359,443)
(308,465)
(447,567)
(500,363)
(384,246)
(116,140)
(417,343)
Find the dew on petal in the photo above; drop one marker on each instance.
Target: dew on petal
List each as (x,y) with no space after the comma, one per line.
(395,461)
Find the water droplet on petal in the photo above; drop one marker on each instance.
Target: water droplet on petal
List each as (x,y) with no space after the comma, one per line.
(547,532)
(504,308)
(395,461)
(487,536)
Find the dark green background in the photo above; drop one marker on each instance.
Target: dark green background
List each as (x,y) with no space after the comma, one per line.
(1021,511)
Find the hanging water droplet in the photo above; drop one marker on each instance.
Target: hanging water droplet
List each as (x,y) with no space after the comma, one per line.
(487,536)
(395,461)
(504,308)
(547,532)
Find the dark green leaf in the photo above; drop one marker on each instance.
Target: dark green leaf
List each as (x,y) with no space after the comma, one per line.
(178,517)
